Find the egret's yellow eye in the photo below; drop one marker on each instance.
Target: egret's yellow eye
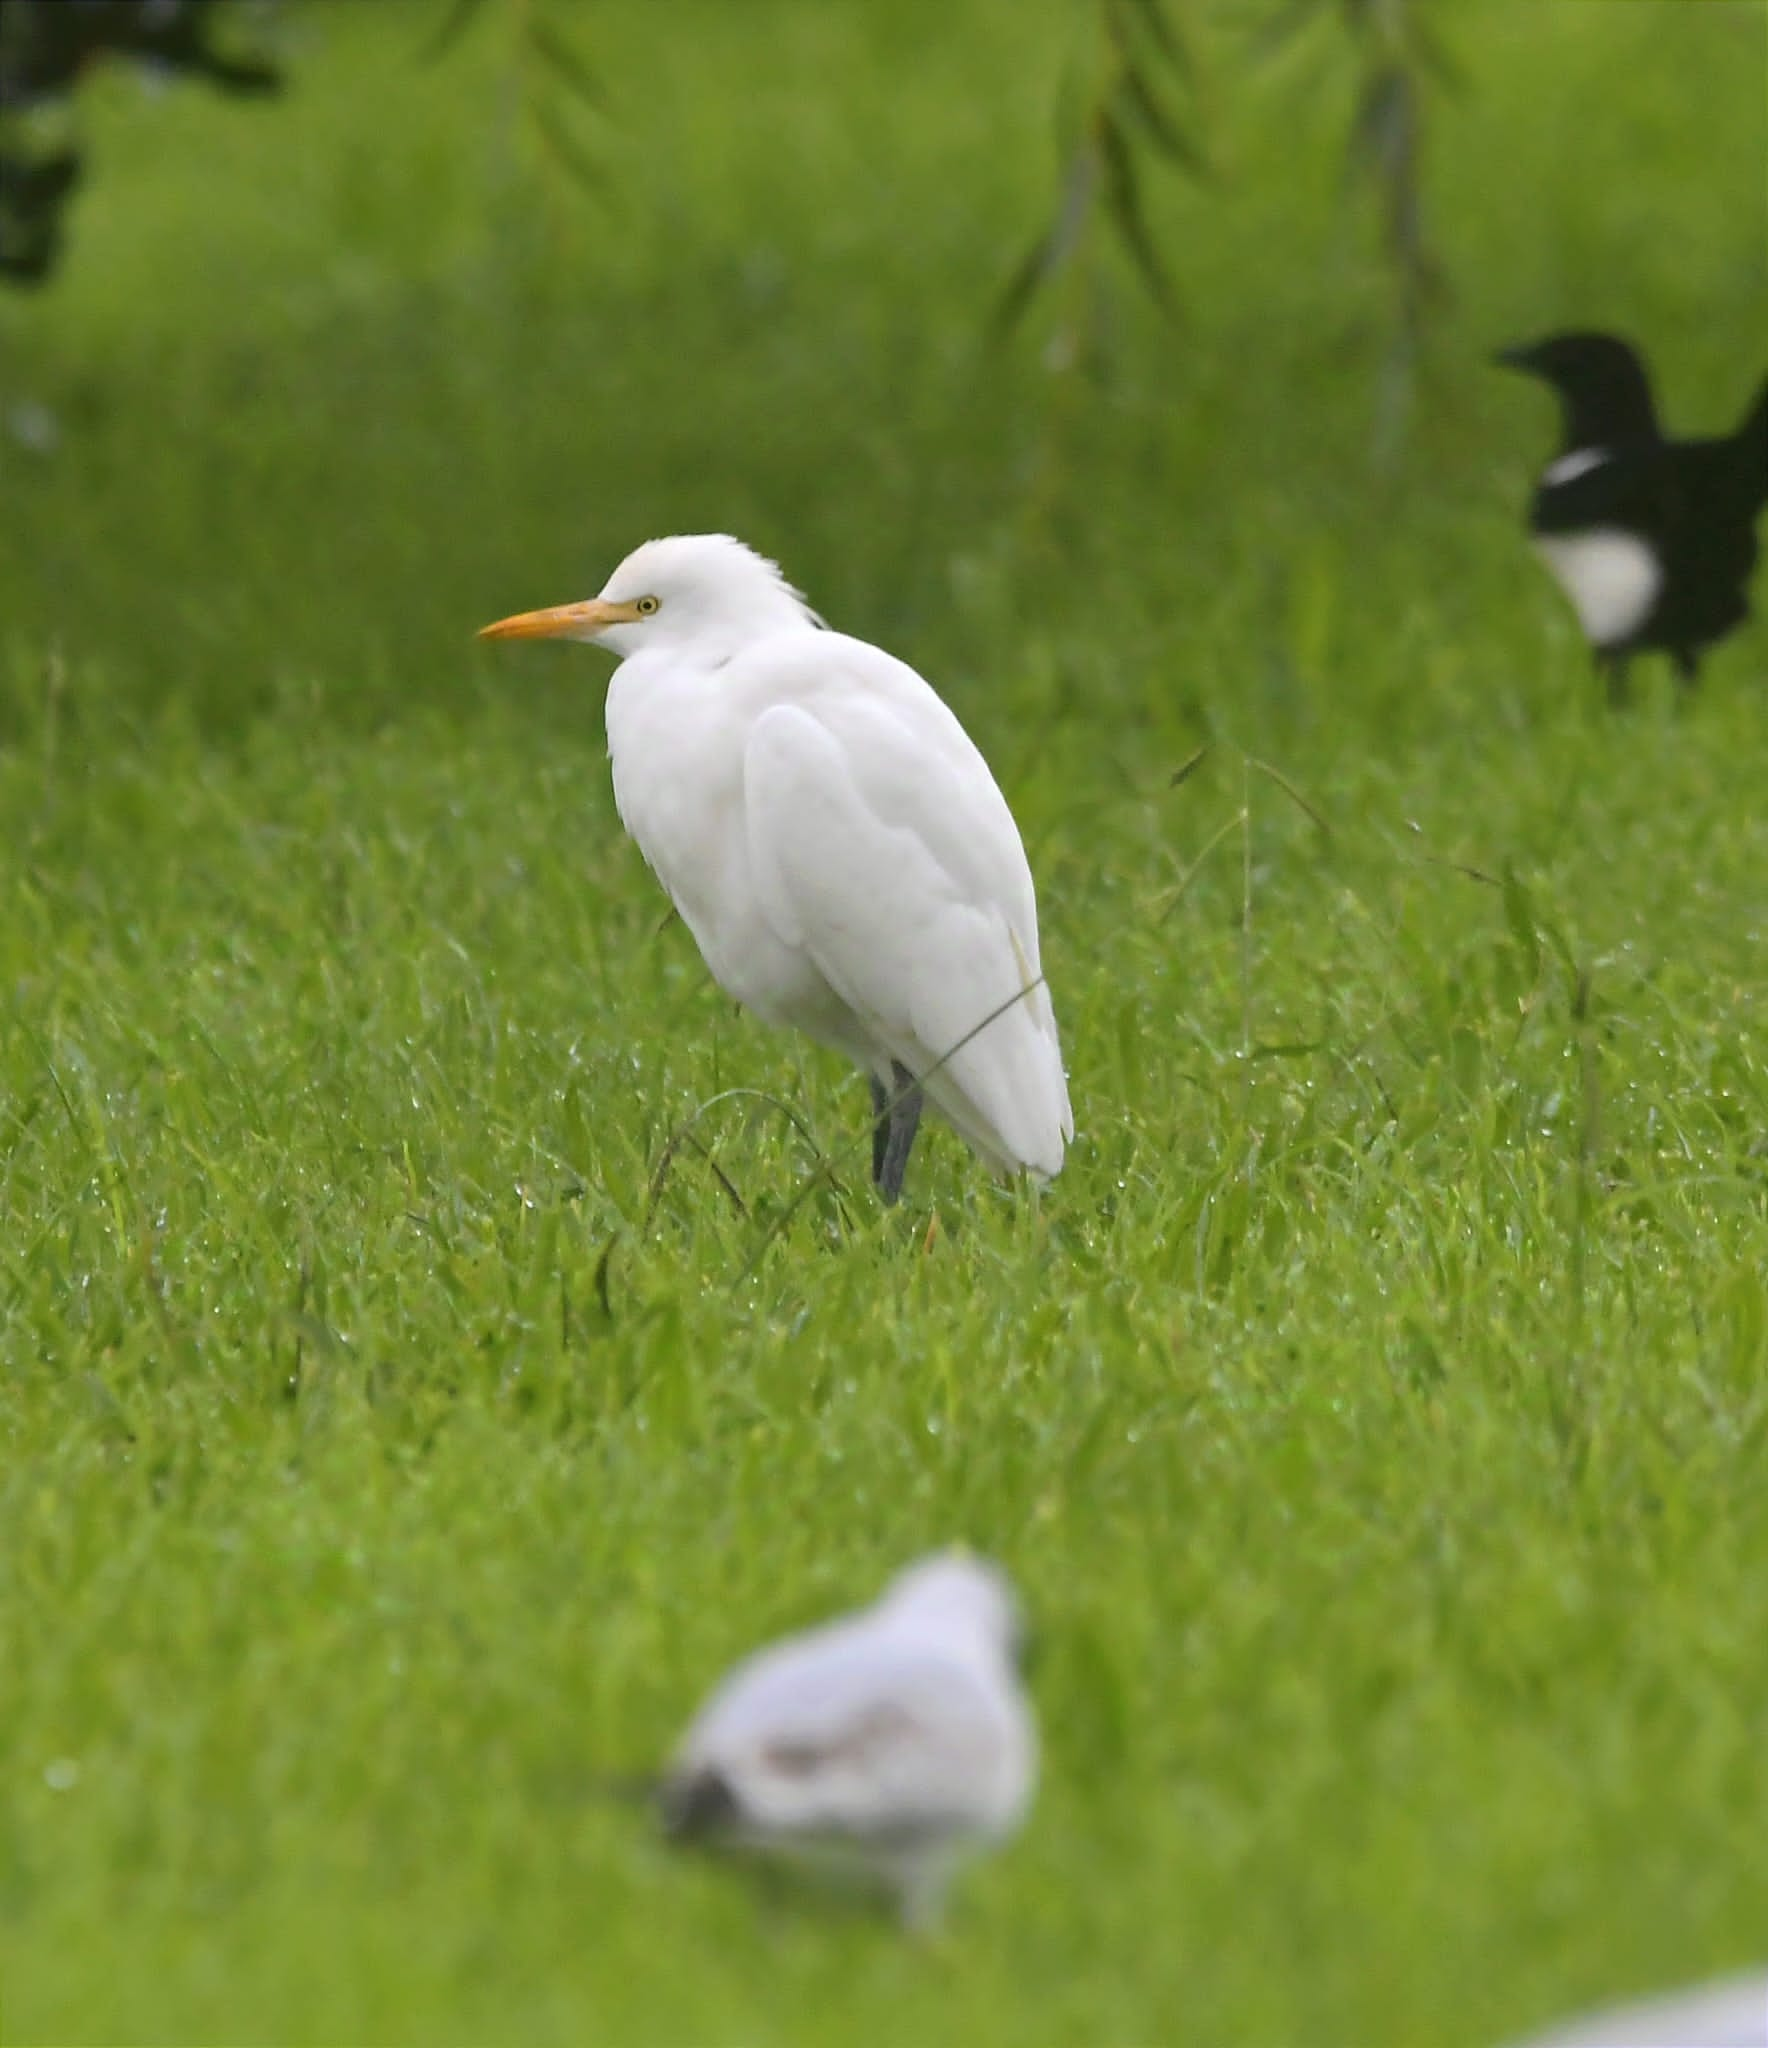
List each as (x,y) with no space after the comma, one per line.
(646,606)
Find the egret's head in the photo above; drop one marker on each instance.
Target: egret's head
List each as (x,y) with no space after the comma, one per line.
(956,1591)
(689,587)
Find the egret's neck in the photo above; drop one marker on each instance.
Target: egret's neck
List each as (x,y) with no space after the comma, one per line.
(664,698)
(710,647)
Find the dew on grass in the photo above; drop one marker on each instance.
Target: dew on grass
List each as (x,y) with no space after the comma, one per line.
(62,1775)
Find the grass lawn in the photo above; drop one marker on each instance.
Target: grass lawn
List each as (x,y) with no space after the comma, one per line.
(1375,1411)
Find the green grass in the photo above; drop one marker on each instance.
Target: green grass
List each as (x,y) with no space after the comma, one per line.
(1375,1410)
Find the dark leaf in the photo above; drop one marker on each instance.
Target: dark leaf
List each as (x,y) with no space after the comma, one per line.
(1037,264)
(554,49)
(1155,25)
(1115,23)
(1284,25)
(1167,136)
(1123,201)
(244,75)
(449,31)
(1435,56)
(1381,130)
(1053,248)
(1186,769)
(603,1289)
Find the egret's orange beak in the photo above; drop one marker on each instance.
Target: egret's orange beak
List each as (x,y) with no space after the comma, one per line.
(562,621)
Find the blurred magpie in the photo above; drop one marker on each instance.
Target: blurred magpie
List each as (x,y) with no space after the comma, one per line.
(1652,540)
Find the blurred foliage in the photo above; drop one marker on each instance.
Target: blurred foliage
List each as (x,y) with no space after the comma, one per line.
(1134,99)
(1400,58)
(560,94)
(46,48)
(1138,106)
(1134,110)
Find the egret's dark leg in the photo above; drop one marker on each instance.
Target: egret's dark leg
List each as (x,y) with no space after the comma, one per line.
(899,1112)
(1687,667)
(880,1126)
(1612,667)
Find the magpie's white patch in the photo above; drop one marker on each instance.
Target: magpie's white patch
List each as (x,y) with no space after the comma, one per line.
(1652,539)
(1612,578)
(1578,463)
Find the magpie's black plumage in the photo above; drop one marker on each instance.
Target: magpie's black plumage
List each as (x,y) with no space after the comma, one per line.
(1653,540)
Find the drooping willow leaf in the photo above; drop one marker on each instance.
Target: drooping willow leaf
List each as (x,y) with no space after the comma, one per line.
(561,92)
(1129,102)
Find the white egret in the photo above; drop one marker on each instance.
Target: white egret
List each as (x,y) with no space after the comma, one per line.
(1730,2013)
(890,1743)
(832,839)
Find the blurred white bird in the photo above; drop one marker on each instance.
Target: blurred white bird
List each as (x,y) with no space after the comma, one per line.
(890,1743)
(832,839)
(1732,2013)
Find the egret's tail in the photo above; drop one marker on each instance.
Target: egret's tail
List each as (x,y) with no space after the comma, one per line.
(1002,1088)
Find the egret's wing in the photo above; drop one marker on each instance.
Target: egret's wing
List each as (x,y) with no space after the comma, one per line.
(882,846)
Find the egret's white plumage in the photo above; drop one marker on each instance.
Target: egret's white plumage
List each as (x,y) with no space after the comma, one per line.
(831,836)
(893,1741)
(1732,2013)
